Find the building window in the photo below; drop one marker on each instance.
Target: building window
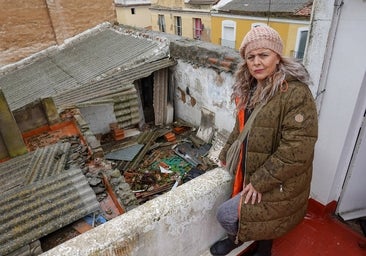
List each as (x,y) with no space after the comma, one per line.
(161,23)
(197,28)
(178,25)
(302,36)
(228,33)
(132,11)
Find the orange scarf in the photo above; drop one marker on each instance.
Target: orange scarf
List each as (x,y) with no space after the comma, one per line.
(239,179)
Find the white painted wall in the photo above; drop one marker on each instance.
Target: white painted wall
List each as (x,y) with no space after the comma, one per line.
(211,90)
(337,64)
(140,19)
(315,57)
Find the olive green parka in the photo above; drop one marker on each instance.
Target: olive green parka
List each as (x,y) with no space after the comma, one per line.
(278,162)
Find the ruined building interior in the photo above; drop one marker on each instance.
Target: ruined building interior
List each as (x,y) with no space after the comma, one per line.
(94,137)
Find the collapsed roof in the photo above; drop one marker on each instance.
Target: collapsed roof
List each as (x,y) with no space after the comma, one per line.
(40,192)
(98,63)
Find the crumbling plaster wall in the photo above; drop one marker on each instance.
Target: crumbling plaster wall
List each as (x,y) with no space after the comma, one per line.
(200,87)
(179,222)
(203,78)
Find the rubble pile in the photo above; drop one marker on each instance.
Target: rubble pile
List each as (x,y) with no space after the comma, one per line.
(122,189)
(79,155)
(169,157)
(127,171)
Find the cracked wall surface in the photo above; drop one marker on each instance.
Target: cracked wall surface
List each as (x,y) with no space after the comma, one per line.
(203,87)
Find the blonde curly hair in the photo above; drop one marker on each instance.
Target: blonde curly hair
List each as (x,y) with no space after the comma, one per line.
(245,83)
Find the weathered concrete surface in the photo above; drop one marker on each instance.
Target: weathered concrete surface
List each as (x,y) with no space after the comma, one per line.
(180,222)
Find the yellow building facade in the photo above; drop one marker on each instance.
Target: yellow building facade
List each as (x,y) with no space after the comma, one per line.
(229,30)
(185,18)
(133,13)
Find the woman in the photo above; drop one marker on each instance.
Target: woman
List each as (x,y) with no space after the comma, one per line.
(272,180)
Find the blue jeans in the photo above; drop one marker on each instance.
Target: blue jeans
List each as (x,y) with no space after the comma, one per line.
(228,216)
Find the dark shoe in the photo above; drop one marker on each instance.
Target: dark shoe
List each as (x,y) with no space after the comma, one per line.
(250,250)
(264,248)
(225,246)
(259,248)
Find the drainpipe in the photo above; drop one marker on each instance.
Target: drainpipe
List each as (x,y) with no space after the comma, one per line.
(337,7)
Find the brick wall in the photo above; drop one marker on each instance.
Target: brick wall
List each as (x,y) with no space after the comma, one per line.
(29,26)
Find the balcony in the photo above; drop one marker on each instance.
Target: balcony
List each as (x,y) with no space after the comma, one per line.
(182,222)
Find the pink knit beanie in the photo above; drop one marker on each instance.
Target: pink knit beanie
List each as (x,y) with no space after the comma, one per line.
(261,37)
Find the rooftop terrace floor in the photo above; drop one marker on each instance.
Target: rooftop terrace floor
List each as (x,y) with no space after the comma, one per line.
(320,234)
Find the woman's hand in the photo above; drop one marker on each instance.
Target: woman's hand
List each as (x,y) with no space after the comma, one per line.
(251,194)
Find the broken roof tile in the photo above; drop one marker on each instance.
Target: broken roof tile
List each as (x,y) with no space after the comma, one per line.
(35,210)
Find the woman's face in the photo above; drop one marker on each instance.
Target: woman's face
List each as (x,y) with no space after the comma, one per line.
(262,63)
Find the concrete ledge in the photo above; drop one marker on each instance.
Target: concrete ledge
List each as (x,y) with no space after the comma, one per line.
(180,222)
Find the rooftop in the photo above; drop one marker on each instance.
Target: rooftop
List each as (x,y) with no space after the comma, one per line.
(278,8)
(149,205)
(76,72)
(320,231)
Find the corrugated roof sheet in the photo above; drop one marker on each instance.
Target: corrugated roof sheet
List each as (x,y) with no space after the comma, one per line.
(86,61)
(33,211)
(47,161)
(125,104)
(110,85)
(44,197)
(14,168)
(125,154)
(281,6)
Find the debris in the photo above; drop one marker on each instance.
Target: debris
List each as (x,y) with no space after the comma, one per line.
(94,220)
(179,129)
(164,169)
(94,181)
(144,196)
(112,194)
(97,161)
(81,226)
(125,154)
(206,130)
(177,181)
(118,133)
(193,173)
(170,136)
